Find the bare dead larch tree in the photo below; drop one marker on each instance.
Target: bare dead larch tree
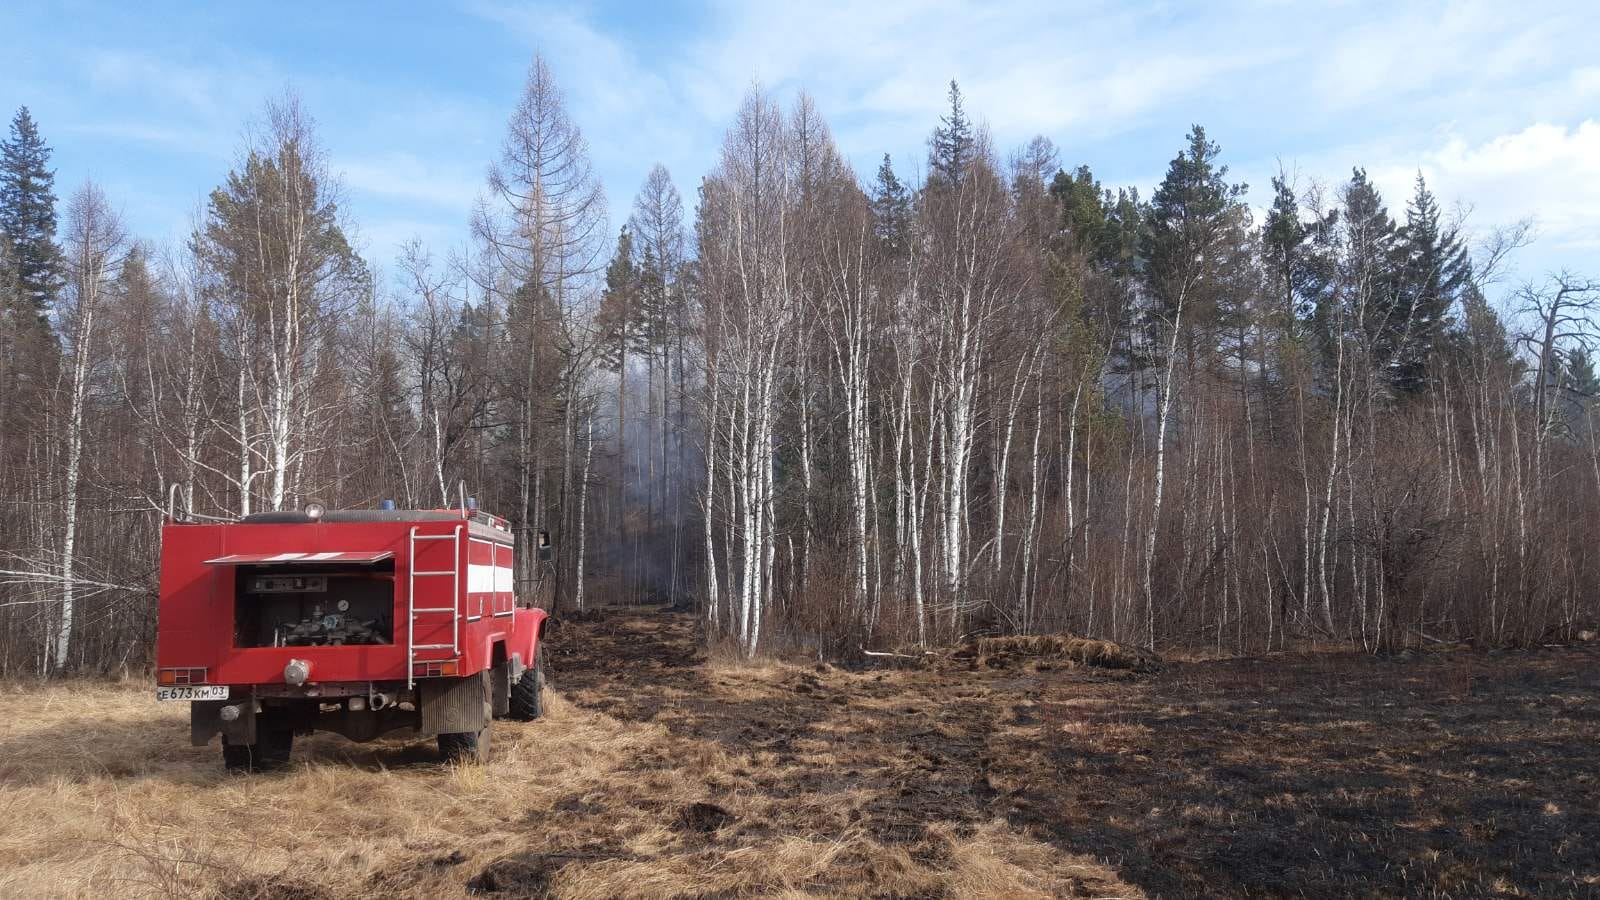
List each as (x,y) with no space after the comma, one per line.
(542,227)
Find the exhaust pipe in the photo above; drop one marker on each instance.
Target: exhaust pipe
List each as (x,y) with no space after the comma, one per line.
(380,700)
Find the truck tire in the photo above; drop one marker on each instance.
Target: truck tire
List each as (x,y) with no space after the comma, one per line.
(269,753)
(527,692)
(465,746)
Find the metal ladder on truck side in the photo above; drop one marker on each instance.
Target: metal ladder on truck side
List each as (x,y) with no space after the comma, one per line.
(413,610)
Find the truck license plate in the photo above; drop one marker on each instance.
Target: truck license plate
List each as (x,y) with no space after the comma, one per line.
(193,692)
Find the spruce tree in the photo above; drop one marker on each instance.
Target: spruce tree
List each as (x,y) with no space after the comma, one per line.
(951,148)
(1369,276)
(619,316)
(1580,373)
(1435,270)
(891,211)
(28,213)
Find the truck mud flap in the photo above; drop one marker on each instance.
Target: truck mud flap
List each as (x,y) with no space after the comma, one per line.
(500,689)
(453,705)
(205,722)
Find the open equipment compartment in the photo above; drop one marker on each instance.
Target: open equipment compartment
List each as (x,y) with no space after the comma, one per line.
(314,605)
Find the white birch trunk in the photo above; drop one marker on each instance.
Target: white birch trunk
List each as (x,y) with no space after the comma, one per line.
(82,349)
(583,511)
(1163,416)
(713,598)
(94,237)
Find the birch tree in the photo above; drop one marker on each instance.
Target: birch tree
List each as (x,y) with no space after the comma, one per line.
(746,235)
(970,276)
(273,239)
(94,243)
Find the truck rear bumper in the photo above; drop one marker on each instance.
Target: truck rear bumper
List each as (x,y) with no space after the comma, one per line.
(361,711)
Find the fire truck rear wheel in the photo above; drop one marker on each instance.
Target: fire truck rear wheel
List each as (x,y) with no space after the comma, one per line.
(527,694)
(269,752)
(465,746)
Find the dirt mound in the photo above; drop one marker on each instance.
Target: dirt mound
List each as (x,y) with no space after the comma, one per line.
(1003,652)
(523,875)
(704,818)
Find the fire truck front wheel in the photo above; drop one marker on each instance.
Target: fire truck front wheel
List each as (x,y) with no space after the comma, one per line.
(269,752)
(527,693)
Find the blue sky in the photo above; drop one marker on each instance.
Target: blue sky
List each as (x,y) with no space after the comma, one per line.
(1497,103)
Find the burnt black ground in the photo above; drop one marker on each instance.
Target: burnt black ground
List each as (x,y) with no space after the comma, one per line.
(1459,774)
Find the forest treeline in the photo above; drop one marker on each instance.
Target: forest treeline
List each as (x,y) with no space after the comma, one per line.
(828,409)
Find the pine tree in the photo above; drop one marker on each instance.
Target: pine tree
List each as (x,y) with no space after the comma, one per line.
(1126,226)
(951,147)
(1297,257)
(1189,224)
(1282,237)
(1480,337)
(28,213)
(1083,211)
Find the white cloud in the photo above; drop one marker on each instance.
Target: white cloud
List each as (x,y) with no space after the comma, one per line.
(181,138)
(403,176)
(153,78)
(1026,67)
(1546,171)
(211,93)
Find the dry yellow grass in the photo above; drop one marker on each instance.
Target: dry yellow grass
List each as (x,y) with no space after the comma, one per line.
(1064,647)
(101,795)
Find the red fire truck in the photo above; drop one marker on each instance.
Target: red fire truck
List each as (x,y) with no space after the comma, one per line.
(362,622)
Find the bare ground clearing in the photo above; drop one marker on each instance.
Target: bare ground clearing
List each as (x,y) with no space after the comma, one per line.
(660,773)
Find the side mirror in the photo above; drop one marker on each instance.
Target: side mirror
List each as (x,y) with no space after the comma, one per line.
(544,545)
